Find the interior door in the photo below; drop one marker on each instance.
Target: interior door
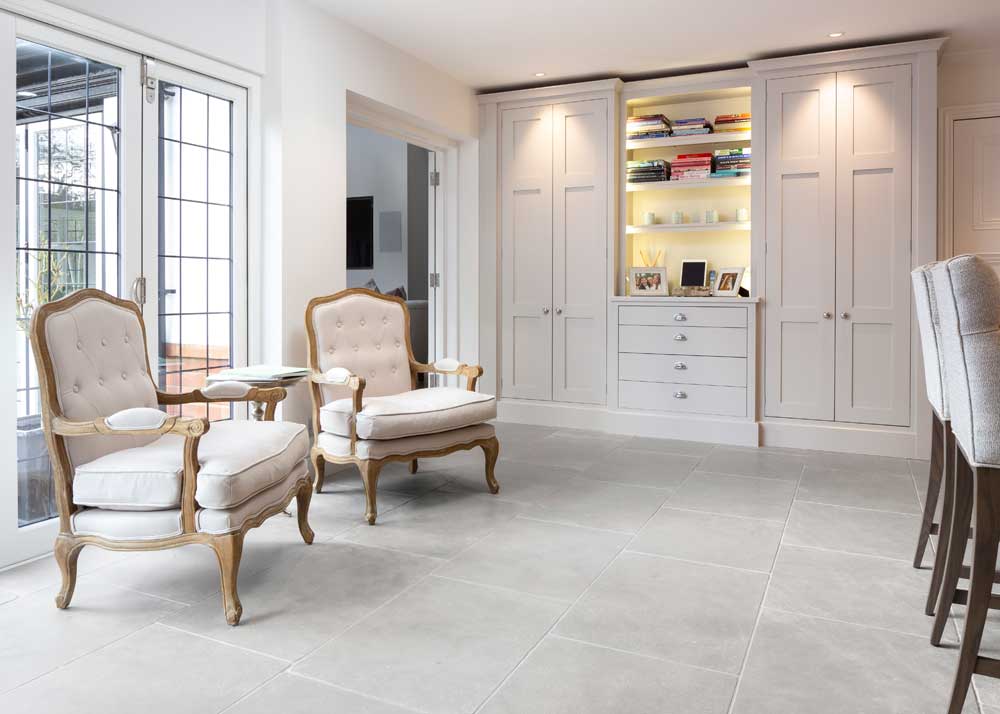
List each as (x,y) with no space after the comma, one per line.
(579,250)
(801,247)
(873,246)
(71,190)
(526,251)
(976,197)
(195,230)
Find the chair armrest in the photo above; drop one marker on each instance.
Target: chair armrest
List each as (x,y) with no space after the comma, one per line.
(183,426)
(448,365)
(229,391)
(341,377)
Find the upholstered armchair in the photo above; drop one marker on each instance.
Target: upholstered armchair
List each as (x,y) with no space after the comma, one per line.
(128,476)
(367,410)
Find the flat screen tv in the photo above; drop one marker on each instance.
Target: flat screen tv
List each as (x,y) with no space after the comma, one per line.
(360,251)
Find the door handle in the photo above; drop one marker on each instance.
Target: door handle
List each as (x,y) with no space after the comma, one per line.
(139,291)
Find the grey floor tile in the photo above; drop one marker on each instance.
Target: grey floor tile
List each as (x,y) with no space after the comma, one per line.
(440,524)
(598,504)
(768,499)
(289,694)
(710,538)
(299,604)
(568,449)
(988,688)
(40,573)
(568,677)
(155,671)
(6,596)
(803,664)
(855,530)
(393,477)
(539,558)
(512,433)
(335,510)
(862,489)
(37,637)
(684,612)
(669,446)
(753,462)
(859,462)
(443,647)
(861,589)
(642,468)
(520,481)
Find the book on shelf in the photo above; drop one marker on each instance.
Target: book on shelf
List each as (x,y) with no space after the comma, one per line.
(648,135)
(647,123)
(730,173)
(732,122)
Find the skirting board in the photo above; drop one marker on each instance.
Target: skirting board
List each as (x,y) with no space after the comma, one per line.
(618,421)
(847,438)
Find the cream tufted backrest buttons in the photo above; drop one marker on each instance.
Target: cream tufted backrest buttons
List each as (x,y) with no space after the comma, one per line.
(76,388)
(100,381)
(126,339)
(79,345)
(104,342)
(385,320)
(378,345)
(124,376)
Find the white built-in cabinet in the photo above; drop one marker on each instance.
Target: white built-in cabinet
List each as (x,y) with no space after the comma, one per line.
(553,211)
(839,245)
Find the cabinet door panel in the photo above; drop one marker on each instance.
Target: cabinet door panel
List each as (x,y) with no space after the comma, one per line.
(579,249)
(526,250)
(873,246)
(801,205)
(976,168)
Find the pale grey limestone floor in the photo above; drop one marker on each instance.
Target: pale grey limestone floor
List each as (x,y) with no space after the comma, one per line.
(610,575)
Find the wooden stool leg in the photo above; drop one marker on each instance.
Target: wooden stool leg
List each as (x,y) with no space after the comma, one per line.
(944,530)
(933,489)
(984,559)
(957,540)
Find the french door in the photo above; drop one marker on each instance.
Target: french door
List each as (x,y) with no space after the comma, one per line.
(117,181)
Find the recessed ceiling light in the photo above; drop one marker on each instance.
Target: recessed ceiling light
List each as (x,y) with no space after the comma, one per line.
(835,35)
(539,74)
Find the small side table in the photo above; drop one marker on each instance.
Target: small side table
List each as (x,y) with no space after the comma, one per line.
(241,375)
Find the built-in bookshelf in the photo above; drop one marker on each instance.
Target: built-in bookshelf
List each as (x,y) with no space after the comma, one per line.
(680,228)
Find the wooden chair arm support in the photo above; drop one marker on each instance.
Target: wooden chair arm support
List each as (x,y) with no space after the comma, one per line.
(254,394)
(189,427)
(471,372)
(357,386)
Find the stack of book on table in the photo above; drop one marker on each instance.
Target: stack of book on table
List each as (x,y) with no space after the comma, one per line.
(732,162)
(732,122)
(690,127)
(691,167)
(648,126)
(647,171)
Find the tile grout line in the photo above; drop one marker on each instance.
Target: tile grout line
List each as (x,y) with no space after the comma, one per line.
(689,561)
(577,600)
(763,599)
(643,655)
(363,695)
(858,508)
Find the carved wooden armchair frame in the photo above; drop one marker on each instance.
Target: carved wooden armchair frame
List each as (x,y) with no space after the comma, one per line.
(370,468)
(228,547)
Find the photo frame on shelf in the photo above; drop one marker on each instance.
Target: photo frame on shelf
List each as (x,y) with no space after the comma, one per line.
(727,282)
(647,282)
(693,272)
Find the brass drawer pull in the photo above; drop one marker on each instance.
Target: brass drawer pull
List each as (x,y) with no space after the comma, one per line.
(680,395)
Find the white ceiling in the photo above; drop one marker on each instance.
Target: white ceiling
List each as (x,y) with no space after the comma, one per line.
(505,42)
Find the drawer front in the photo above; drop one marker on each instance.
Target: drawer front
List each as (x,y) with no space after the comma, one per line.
(711,341)
(680,315)
(683,398)
(683,369)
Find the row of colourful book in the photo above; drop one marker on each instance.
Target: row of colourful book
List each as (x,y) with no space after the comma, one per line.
(731,162)
(732,122)
(647,171)
(691,167)
(648,126)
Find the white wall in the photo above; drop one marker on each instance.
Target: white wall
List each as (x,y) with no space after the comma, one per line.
(231,31)
(376,166)
(313,61)
(969,78)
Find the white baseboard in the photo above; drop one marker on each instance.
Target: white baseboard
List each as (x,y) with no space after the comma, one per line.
(619,421)
(848,438)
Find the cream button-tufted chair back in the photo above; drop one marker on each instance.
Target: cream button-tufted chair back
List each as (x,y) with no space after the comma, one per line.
(968,299)
(930,339)
(368,335)
(97,353)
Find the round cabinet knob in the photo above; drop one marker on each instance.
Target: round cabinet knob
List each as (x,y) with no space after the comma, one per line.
(680,317)
(559,311)
(680,365)
(545,311)
(844,316)
(680,337)
(680,395)
(827,315)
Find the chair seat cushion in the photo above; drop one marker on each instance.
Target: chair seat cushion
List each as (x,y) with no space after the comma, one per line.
(340,446)
(421,411)
(238,460)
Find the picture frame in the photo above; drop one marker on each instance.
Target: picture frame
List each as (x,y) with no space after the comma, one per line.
(727,282)
(647,282)
(694,272)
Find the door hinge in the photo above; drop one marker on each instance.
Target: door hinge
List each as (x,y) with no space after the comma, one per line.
(434,280)
(435,178)
(148,77)
(139,291)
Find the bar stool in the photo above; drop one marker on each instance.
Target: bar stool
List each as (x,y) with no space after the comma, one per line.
(968,298)
(942,440)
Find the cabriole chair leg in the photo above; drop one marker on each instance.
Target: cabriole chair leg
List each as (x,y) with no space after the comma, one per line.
(229,550)
(319,469)
(369,475)
(302,500)
(491,449)
(67,552)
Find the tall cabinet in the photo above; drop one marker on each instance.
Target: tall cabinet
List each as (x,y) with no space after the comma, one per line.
(841,198)
(554,215)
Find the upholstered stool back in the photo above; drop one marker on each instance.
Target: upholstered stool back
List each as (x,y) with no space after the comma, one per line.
(967,293)
(929,323)
(366,333)
(91,351)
